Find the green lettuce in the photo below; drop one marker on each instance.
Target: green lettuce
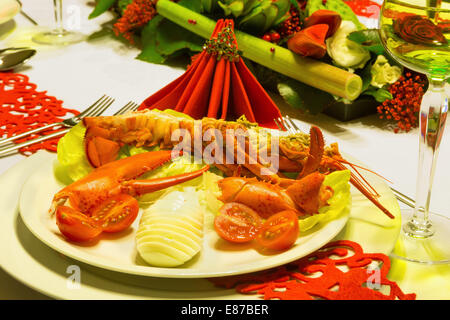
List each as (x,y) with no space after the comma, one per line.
(72,160)
(339,181)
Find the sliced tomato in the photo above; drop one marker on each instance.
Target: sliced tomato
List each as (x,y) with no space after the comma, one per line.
(116,213)
(76,226)
(237,223)
(280,231)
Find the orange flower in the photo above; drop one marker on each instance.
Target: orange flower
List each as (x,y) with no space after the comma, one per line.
(137,14)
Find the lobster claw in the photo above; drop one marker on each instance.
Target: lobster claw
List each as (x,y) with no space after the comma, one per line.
(119,177)
(104,200)
(309,194)
(139,187)
(99,147)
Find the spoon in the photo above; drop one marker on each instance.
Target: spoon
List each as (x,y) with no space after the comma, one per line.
(13,49)
(11,60)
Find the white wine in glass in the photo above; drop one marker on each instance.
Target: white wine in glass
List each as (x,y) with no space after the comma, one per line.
(59,35)
(417,34)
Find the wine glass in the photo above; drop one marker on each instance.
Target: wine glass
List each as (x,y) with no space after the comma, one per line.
(417,34)
(59,35)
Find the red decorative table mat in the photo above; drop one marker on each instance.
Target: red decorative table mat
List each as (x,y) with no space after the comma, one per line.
(338,271)
(23,108)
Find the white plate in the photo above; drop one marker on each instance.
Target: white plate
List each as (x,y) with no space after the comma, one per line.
(36,265)
(118,252)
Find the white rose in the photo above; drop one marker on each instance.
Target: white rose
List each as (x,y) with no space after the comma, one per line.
(344,52)
(383,73)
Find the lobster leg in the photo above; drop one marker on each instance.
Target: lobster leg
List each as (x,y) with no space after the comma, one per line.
(140,187)
(358,185)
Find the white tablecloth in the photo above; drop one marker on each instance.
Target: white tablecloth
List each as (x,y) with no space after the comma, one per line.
(80,73)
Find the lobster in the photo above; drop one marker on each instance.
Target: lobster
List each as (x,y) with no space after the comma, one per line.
(305,196)
(108,187)
(302,153)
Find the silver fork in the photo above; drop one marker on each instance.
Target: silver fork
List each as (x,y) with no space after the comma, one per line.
(98,107)
(130,106)
(286,123)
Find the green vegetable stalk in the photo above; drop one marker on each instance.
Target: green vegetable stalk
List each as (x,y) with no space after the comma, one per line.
(312,72)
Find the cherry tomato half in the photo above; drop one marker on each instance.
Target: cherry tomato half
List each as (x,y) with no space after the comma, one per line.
(237,223)
(280,231)
(76,226)
(116,213)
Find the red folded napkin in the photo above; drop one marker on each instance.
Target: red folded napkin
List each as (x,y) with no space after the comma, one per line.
(338,271)
(218,84)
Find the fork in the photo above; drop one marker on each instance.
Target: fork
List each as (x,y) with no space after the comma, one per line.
(98,107)
(26,15)
(286,123)
(130,106)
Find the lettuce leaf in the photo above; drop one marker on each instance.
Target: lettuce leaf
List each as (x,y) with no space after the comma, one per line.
(339,181)
(72,158)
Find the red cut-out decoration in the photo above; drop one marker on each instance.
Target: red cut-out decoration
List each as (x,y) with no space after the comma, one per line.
(23,109)
(338,271)
(218,85)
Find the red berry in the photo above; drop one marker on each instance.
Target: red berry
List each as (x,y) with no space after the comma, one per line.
(275,36)
(267,37)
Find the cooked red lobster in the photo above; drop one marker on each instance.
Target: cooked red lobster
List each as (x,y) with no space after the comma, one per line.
(301,153)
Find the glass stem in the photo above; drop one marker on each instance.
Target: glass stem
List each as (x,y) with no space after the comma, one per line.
(58,16)
(433,114)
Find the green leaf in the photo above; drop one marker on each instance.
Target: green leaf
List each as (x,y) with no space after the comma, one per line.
(162,39)
(369,39)
(105,31)
(101,7)
(295,4)
(366,75)
(194,5)
(380,95)
(170,38)
(123,4)
(304,97)
(148,38)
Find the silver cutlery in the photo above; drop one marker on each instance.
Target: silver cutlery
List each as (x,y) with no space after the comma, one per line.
(287,124)
(14,59)
(13,49)
(25,14)
(99,107)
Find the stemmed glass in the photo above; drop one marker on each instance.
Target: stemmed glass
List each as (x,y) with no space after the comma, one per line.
(417,34)
(59,35)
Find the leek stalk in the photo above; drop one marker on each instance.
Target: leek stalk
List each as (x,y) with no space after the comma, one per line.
(315,73)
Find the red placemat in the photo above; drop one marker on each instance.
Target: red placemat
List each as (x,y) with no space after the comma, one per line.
(338,271)
(23,108)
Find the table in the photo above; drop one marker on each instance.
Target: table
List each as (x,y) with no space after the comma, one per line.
(80,73)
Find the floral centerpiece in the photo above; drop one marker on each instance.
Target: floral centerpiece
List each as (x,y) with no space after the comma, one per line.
(326,31)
